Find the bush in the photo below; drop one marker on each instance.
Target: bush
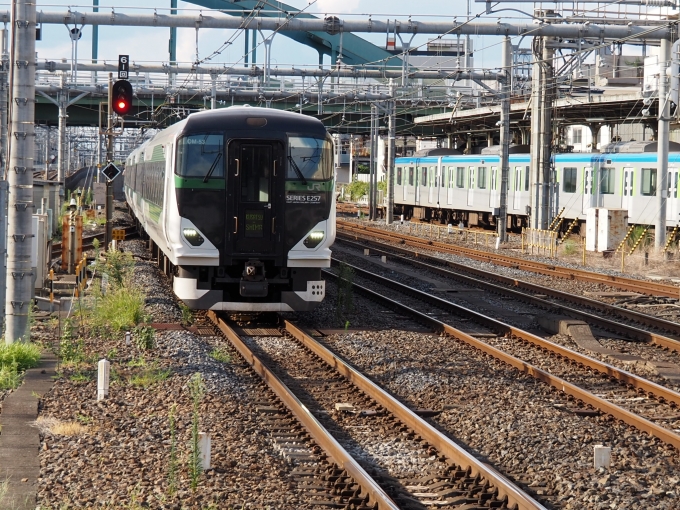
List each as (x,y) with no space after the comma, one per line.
(356,190)
(14,359)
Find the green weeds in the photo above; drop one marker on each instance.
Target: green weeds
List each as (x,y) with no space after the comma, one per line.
(220,355)
(197,392)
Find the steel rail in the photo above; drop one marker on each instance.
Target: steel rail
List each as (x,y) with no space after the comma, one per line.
(442,443)
(316,430)
(651,288)
(610,325)
(585,396)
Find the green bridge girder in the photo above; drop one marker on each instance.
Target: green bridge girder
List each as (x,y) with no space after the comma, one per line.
(85,112)
(355,50)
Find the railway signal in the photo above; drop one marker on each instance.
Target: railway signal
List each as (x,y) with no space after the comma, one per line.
(121,97)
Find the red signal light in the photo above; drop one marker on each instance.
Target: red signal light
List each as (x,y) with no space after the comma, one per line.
(121,97)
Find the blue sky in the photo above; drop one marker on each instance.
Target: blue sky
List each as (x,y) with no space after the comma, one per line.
(150,44)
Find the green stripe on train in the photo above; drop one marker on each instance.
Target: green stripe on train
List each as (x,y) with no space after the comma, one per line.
(197,183)
(310,186)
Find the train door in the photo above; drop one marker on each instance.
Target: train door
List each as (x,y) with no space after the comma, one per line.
(408,182)
(493,188)
(451,186)
(432,184)
(672,212)
(517,189)
(255,190)
(627,194)
(418,184)
(471,186)
(588,176)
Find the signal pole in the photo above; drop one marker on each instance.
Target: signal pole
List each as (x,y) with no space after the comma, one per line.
(505,140)
(109,158)
(20,172)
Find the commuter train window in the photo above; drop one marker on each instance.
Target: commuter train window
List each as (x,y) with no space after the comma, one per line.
(201,155)
(432,181)
(569,180)
(410,175)
(494,177)
(423,176)
(673,183)
(607,176)
(648,187)
(398,176)
(311,158)
(481,177)
(443,177)
(460,177)
(452,176)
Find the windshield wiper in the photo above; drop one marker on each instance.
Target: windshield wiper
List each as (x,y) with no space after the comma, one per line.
(297,170)
(212,167)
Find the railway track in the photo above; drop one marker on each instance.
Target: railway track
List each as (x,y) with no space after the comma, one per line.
(327,395)
(88,241)
(543,297)
(595,385)
(361,232)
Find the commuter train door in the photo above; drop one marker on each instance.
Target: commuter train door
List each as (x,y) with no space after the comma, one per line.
(432,184)
(471,186)
(672,210)
(588,176)
(517,189)
(255,196)
(627,194)
(418,184)
(493,188)
(451,186)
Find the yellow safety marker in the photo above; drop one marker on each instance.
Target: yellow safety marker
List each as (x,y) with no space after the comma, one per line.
(118,234)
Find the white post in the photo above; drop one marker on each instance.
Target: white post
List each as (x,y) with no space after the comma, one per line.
(127,337)
(103,368)
(204,449)
(603,455)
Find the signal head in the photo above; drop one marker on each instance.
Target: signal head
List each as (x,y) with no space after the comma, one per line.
(121,97)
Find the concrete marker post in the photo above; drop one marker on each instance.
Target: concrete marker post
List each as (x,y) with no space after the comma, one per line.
(204,449)
(602,456)
(103,370)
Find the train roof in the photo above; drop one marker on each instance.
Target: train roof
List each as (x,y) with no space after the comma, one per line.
(637,147)
(441,151)
(240,118)
(513,149)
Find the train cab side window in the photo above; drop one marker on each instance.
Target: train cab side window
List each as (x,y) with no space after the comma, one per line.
(201,155)
(648,187)
(607,176)
(398,176)
(410,175)
(460,177)
(569,180)
(481,177)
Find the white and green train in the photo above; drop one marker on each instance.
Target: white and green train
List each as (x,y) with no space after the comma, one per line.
(239,206)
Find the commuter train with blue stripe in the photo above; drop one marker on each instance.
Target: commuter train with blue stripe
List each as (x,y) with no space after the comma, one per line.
(438,185)
(239,206)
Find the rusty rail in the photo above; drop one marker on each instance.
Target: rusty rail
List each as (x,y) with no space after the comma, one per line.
(651,288)
(446,446)
(605,406)
(316,430)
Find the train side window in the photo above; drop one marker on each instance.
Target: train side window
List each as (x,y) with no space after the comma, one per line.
(442,177)
(526,178)
(673,183)
(431,177)
(569,180)
(607,176)
(398,176)
(460,177)
(410,176)
(423,176)
(452,177)
(481,177)
(648,182)
(494,177)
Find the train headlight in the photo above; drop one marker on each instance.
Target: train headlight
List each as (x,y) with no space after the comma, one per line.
(193,237)
(314,239)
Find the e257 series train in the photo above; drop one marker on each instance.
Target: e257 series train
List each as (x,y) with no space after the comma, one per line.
(455,187)
(239,205)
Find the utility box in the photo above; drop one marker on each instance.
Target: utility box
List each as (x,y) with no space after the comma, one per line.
(611,228)
(592,216)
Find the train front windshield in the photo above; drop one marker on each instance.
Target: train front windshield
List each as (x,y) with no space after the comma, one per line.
(309,159)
